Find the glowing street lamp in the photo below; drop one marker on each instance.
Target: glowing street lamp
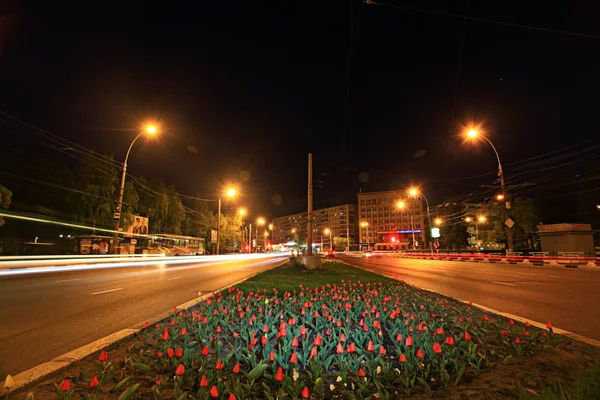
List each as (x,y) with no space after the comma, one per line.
(474,134)
(438,221)
(242,212)
(149,130)
(500,197)
(480,220)
(230,192)
(416,192)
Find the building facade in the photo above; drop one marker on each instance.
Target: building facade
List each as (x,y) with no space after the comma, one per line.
(381,220)
(340,220)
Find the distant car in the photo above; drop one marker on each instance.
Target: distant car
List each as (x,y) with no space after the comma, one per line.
(368,254)
(330,254)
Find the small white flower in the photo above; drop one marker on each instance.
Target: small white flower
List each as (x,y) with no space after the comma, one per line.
(378,370)
(365,380)
(338,379)
(295,375)
(331,387)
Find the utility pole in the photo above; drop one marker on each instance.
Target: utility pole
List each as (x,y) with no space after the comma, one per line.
(309,236)
(219,227)
(250,240)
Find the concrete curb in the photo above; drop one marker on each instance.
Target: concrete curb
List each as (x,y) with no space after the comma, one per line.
(38,372)
(558,331)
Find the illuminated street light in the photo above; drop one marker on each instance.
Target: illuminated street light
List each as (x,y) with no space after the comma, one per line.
(260,221)
(480,220)
(242,211)
(468,219)
(365,224)
(416,192)
(500,197)
(230,192)
(294,230)
(148,130)
(473,134)
(438,221)
(270,227)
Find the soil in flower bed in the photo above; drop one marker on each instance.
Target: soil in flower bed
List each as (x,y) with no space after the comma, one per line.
(338,333)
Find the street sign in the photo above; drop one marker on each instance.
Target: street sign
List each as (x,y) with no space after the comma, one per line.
(213,236)
(435,232)
(510,223)
(117,215)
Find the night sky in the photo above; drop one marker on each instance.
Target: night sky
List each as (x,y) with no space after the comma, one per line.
(254,86)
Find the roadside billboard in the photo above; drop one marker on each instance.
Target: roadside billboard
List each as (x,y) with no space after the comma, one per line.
(139,226)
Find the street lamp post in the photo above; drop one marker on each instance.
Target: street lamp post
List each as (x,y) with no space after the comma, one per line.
(401,205)
(150,130)
(259,221)
(481,219)
(327,231)
(473,133)
(366,225)
(414,192)
(230,193)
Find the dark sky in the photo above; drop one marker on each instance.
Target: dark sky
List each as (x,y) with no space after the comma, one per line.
(255,86)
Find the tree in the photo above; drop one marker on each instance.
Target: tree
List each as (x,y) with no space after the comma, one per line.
(200,220)
(231,230)
(339,243)
(523,212)
(5,199)
(453,232)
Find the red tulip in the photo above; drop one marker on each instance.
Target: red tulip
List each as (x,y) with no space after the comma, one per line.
(339,349)
(205,351)
(409,341)
(342,337)
(485,317)
(232,396)
(183,331)
(318,340)
(293,358)
(172,322)
(271,356)
(361,373)
(313,352)
(370,346)
(203,381)
(450,340)
(437,348)
(399,337)
(179,353)
(439,331)
(236,369)
(159,354)
(402,358)
(526,333)
(180,370)
(219,365)
(381,350)
(467,336)
(419,354)
(527,323)
(303,332)
(214,392)
(518,341)
(265,328)
(103,356)
(170,352)
(166,334)
(511,322)
(65,385)
(146,325)
(279,376)
(548,325)
(295,341)
(94,382)
(219,330)
(504,332)
(305,393)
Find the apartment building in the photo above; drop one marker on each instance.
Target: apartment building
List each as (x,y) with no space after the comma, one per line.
(340,220)
(381,220)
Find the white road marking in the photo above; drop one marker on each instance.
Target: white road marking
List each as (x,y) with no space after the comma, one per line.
(524,273)
(172,279)
(107,291)
(504,283)
(69,280)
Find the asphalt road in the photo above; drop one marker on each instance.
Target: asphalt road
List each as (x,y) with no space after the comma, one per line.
(46,315)
(569,298)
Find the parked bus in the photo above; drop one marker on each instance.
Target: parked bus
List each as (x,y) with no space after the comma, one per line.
(175,245)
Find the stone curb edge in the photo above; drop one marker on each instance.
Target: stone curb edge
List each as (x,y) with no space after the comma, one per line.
(38,372)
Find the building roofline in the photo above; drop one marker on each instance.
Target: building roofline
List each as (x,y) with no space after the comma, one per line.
(381,192)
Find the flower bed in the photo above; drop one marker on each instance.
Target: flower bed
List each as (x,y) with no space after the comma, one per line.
(347,339)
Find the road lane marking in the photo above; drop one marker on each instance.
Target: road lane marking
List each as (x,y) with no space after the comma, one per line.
(69,280)
(524,273)
(172,279)
(107,291)
(504,283)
